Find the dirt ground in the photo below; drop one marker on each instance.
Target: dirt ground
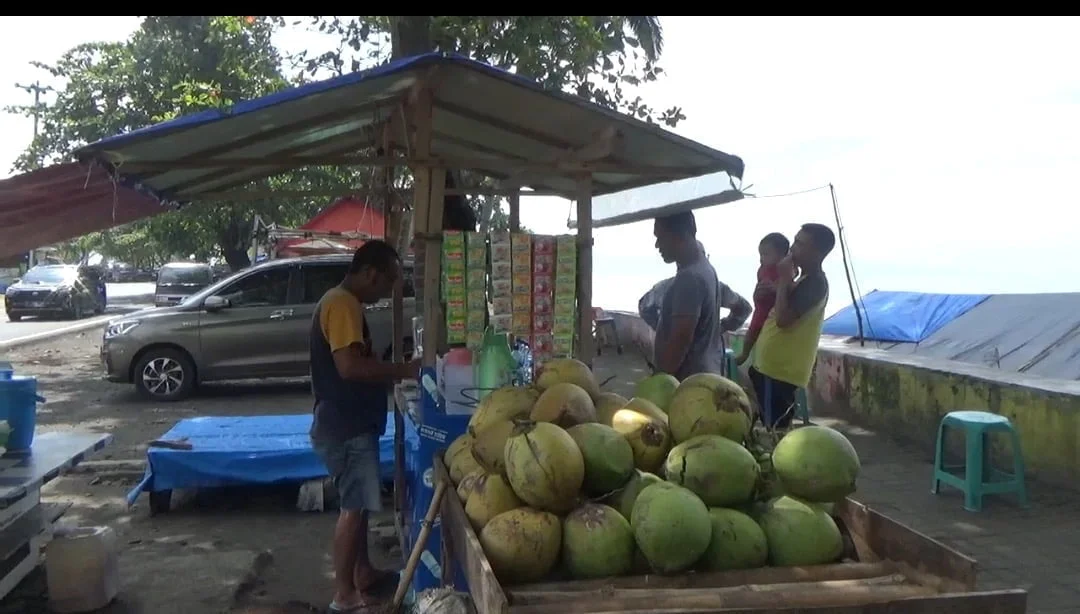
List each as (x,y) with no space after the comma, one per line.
(215,554)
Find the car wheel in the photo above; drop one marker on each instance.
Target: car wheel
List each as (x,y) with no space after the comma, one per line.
(164,375)
(13,318)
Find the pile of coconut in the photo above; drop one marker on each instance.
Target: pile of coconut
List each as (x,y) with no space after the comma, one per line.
(562,480)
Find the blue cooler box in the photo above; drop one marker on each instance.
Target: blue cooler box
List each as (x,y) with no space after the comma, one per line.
(437,431)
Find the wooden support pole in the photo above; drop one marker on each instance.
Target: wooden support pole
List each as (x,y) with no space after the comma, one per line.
(585,345)
(515,212)
(435,342)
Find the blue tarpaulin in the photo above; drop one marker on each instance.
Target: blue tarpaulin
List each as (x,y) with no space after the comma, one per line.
(232,451)
(907,317)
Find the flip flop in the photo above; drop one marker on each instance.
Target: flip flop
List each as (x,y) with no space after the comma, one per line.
(385,582)
(357,608)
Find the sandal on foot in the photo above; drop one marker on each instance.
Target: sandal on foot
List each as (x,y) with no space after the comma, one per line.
(384,582)
(356,608)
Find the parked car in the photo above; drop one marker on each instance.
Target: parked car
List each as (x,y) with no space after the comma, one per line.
(121,272)
(253,324)
(55,290)
(178,280)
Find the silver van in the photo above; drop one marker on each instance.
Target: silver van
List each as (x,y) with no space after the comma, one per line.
(178,280)
(255,324)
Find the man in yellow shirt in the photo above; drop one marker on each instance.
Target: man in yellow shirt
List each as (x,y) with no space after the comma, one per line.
(350,386)
(787,346)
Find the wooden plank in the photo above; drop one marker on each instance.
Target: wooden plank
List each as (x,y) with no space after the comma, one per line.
(716,579)
(585,351)
(487,595)
(991,602)
(894,541)
(786,596)
(648,595)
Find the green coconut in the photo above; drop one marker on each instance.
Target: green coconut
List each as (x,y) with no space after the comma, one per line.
(658,388)
(816,463)
(609,459)
(737,542)
(709,404)
(671,526)
(720,471)
(597,542)
(799,533)
(624,498)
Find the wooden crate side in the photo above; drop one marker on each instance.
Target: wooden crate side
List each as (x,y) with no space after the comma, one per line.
(487,595)
(895,541)
(992,602)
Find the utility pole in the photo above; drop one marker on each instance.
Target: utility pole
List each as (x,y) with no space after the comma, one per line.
(37,89)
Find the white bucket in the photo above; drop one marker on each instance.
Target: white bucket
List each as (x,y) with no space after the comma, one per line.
(82,569)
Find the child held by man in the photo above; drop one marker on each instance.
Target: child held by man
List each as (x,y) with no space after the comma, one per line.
(772,249)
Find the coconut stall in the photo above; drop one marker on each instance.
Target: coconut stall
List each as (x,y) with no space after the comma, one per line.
(517,477)
(561,497)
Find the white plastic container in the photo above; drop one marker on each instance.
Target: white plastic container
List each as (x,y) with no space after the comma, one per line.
(82,568)
(454,373)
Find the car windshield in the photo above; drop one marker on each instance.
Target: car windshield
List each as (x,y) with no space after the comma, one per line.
(185,275)
(48,275)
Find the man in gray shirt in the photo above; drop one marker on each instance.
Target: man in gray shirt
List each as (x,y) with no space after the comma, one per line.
(689,333)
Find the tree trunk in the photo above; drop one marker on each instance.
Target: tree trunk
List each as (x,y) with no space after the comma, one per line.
(410,35)
(234,244)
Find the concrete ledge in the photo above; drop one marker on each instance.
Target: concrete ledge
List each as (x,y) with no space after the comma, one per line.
(906,396)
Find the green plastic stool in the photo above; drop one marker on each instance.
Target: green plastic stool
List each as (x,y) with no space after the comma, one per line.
(731,369)
(802,406)
(979,477)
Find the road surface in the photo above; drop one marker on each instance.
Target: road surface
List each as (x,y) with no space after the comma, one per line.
(122,298)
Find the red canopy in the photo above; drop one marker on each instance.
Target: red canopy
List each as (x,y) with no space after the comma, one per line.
(346,215)
(63,202)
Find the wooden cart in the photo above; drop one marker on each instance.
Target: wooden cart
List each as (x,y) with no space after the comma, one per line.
(898,569)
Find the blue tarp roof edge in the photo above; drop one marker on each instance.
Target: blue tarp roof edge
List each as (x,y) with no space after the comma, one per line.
(905,317)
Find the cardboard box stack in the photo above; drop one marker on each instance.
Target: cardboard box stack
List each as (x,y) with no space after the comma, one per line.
(521,288)
(501,282)
(543,298)
(565,306)
(475,288)
(454,289)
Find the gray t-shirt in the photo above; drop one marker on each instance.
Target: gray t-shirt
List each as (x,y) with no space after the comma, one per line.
(695,291)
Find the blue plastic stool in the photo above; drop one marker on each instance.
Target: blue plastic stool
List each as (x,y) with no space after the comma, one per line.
(979,477)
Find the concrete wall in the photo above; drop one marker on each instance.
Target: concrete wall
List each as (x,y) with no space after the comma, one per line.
(906,397)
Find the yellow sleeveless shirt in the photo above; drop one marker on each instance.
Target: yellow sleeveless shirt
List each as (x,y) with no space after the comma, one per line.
(788,354)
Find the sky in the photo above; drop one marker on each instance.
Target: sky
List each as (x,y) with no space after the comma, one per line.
(950,143)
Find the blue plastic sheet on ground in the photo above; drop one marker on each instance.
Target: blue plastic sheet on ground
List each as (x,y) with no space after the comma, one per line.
(233,451)
(906,317)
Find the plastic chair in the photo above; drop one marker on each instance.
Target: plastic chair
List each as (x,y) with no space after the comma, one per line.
(979,477)
(601,322)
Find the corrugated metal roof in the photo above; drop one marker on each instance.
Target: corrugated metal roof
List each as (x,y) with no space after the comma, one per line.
(489,117)
(63,202)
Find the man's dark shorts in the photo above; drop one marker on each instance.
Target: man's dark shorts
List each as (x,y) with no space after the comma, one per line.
(354,466)
(776,398)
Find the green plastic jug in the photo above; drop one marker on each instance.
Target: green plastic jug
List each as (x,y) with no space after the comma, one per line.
(495,363)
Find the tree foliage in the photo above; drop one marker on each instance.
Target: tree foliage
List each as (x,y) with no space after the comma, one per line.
(176,65)
(600,58)
(172,66)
